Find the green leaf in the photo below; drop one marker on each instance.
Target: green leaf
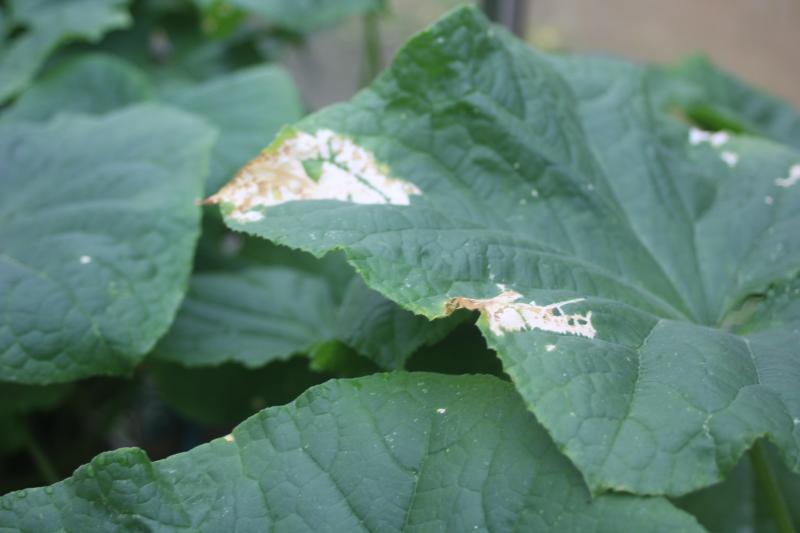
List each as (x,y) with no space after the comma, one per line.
(17,399)
(229,393)
(98,224)
(738,503)
(477,173)
(301,16)
(247,107)
(401,452)
(92,84)
(716,99)
(48,24)
(265,99)
(261,314)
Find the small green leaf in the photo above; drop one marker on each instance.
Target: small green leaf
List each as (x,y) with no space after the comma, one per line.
(48,24)
(246,107)
(397,452)
(18,399)
(260,314)
(92,84)
(98,224)
(739,503)
(229,393)
(716,99)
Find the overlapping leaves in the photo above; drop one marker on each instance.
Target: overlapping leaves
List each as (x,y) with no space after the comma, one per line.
(572,182)
(46,24)
(398,452)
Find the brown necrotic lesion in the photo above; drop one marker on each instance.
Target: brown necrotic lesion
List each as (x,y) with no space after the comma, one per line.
(312,166)
(505,313)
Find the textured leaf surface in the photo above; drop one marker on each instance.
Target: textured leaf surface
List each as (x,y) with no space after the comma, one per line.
(48,24)
(401,452)
(92,84)
(605,242)
(97,228)
(260,314)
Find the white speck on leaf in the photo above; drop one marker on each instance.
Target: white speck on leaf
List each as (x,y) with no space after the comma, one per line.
(344,171)
(85,259)
(716,139)
(730,158)
(794,177)
(504,313)
(441,410)
(769,200)
(550,347)
(696,136)
(534,193)
(228,438)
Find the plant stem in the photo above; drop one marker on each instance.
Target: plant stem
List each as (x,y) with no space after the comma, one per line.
(509,13)
(769,485)
(42,462)
(373,48)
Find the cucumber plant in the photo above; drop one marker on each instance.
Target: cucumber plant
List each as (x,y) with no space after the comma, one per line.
(623,236)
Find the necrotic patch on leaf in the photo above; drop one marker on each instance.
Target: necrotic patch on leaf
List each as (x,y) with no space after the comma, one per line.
(305,166)
(504,313)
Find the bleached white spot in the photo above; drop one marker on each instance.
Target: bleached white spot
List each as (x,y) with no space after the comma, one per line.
(504,313)
(440,40)
(441,410)
(794,177)
(768,200)
(550,347)
(696,136)
(342,170)
(85,259)
(731,158)
(716,139)
(228,438)
(534,193)
(248,216)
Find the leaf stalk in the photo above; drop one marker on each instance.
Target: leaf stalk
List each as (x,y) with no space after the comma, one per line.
(768,483)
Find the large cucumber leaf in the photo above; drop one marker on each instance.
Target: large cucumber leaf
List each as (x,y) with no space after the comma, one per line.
(98,224)
(609,246)
(397,452)
(46,25)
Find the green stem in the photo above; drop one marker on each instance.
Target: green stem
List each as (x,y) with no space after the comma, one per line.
(769,486)
(373,48)
(42,462)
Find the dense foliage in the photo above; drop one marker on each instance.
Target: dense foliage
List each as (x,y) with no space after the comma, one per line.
(623,237)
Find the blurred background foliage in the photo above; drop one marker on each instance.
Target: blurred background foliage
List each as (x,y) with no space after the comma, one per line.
(248,67)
